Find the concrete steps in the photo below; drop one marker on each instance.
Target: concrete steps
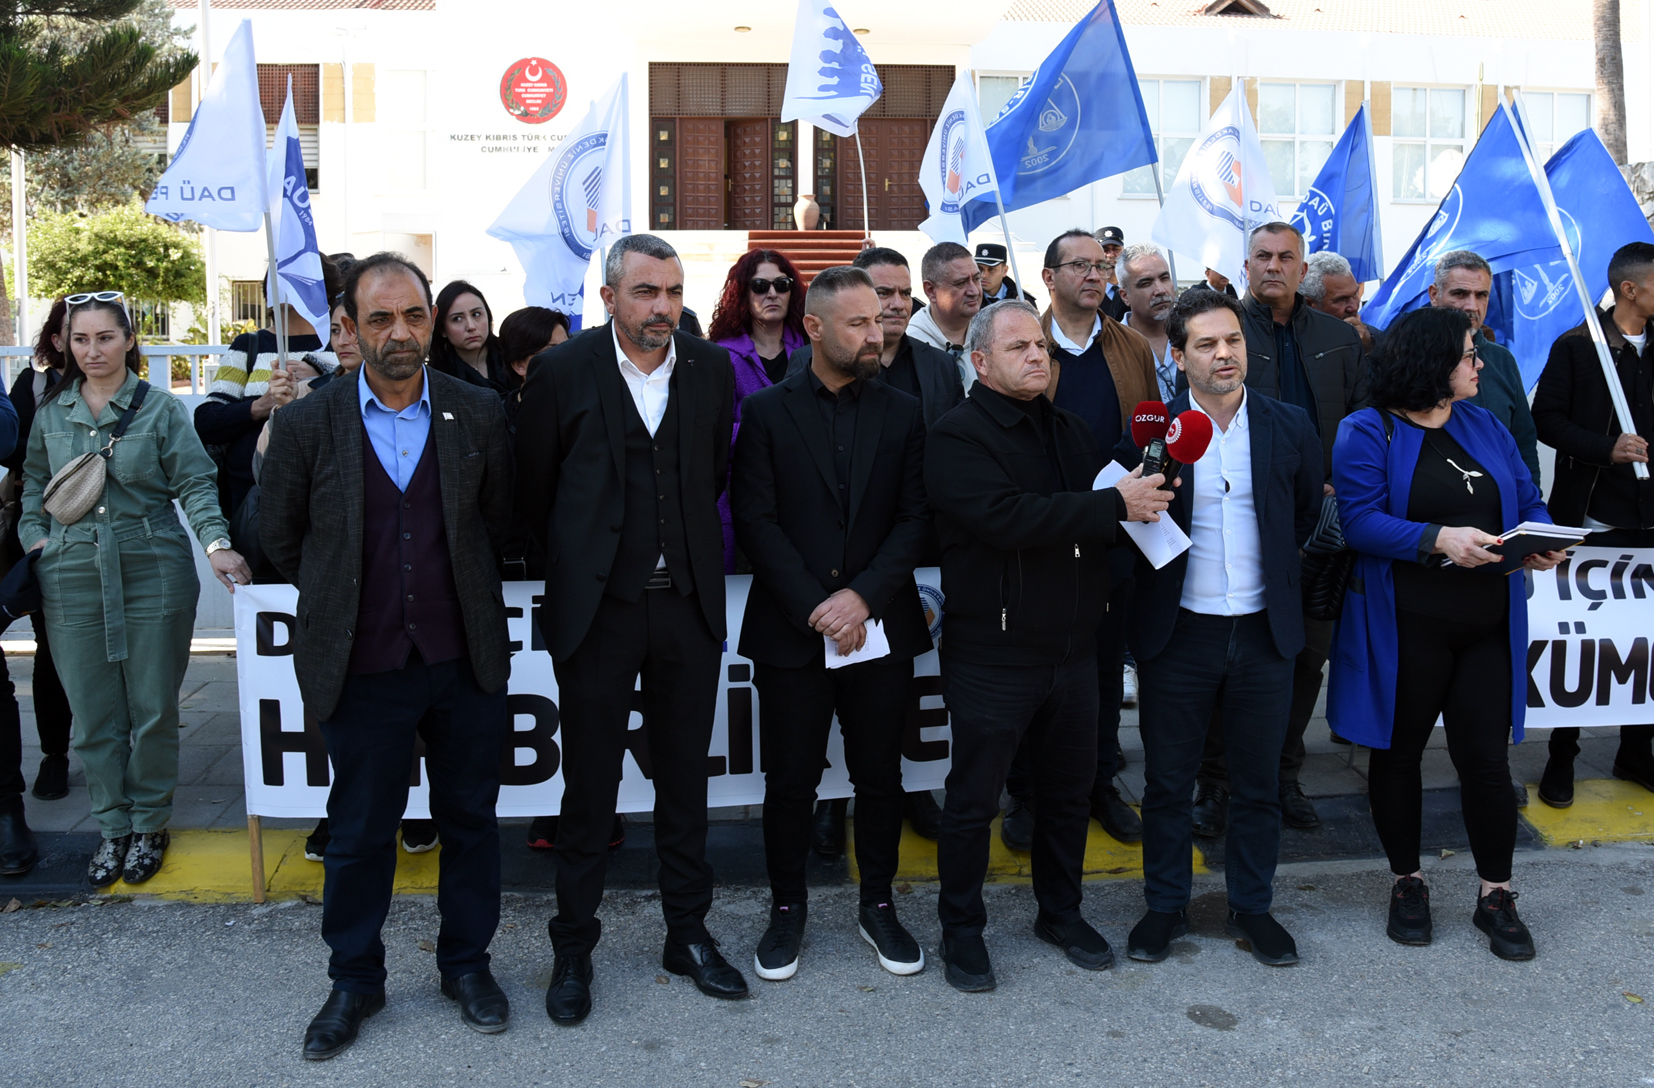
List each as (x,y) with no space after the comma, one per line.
(810,251)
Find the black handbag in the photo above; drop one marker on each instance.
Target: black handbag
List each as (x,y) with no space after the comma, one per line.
(1328,563)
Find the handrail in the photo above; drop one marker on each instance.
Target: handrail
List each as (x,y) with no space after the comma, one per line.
(200,368)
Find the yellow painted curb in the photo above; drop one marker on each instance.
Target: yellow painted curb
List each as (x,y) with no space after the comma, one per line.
(1105,858)
(1604,810)
(216,867)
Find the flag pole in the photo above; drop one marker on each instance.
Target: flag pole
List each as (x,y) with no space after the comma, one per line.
(1616,391)
(1372,178)
(861,164)
(1160,195)
(1010,250)
(273,286)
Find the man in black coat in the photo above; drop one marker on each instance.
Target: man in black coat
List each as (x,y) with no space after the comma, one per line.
(1215,630)
(1596,486)
(830,509)
(386,497)
(621,471)
(1026,578)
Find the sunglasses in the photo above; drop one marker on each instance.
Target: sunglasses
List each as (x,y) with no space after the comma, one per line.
(94,296)
(782,285)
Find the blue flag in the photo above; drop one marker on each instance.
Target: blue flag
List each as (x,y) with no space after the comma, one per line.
(296,276)
(1079,119)
(1494,209)
(1340,212)
(1534,305)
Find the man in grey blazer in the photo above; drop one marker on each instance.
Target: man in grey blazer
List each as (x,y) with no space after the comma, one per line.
(386,496)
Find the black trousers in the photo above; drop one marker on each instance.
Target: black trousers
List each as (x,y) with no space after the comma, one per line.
(51,719)
(1224,667)
(993,708)
(1461,673)
(370,739)
(1636,741)
(1308,672)
(795,719)
(1111,688)
(665,638)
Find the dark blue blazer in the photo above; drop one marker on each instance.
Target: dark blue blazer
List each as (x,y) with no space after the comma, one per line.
(1374,477)
(1286,493)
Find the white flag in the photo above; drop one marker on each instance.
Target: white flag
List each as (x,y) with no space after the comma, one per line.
(217,177)
(575,204)
(1221,193)
(830,80)
(957,166)
(296,276)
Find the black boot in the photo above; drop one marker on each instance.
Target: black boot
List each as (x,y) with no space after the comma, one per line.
(18,852)
(827,833)
(1556,785)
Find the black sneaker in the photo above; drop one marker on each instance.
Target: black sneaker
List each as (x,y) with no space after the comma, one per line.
(106,865)
(1507,936)
(315,843)
(1410,912)
(777,955)
(1082,944)
(1016,831)
(419,836)
(1270,943)
(1151,938)
(52,783)
(898,952)
(1556,785)
(969,970)
(542,833)
(144,856)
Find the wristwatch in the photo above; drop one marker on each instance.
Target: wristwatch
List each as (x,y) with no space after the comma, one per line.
(220,544)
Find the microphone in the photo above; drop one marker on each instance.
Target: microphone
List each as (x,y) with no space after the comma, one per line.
(1149,420)
(1184,444)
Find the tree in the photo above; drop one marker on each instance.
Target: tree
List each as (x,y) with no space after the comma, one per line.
(125,249)
(1610,97)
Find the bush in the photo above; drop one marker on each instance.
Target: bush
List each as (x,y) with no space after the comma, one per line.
(124,249)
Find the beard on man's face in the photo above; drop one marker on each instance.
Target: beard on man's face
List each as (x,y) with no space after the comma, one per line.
(650,334)
(397,360)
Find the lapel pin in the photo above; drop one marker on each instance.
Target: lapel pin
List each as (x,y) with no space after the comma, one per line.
(447,415)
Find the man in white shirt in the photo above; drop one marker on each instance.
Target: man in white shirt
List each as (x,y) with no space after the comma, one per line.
(1216,630)
(1146,280)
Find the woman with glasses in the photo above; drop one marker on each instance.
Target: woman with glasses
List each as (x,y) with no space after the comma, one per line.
(118,585)
(1431,627)
(760,319)
(465,346)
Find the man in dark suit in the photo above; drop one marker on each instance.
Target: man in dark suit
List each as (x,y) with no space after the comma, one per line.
(1218,627)
(386,496)
(620,474)
(830,509)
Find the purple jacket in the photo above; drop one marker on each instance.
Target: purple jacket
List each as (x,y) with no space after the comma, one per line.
(749,379)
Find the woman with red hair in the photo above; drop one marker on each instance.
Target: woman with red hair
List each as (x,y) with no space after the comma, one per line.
(760,319)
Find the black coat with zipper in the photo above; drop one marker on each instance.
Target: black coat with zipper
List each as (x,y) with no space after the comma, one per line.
(1025,576)
(1331,355)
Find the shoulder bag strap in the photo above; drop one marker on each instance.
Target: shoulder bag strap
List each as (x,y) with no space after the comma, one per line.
(126,419)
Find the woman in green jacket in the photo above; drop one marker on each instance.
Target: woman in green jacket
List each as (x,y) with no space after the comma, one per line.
(122,578)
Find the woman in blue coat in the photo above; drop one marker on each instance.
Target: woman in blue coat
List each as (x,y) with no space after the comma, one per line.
(1425,485)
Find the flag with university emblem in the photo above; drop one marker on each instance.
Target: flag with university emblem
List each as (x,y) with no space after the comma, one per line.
(830,79)
(296,275)
(1340,211)
(957,166)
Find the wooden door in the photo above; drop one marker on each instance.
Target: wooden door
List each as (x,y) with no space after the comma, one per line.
(701,173)
(895,149)
(749,174)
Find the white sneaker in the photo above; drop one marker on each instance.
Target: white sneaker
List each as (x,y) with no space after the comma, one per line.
(1128,695)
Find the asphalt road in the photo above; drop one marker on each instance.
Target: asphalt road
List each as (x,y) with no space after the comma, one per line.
(161,993)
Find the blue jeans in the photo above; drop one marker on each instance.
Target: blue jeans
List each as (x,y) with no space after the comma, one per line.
(1213,663)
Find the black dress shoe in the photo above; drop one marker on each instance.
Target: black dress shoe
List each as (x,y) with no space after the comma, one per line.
(1556,785)
(1211,811)
(1016,831)
(1151,938)
(1271,944)
(569,997)
(924,814)
(482,1004)
(18,852)
(969,970)
(1639,772)
(705,966)
(335,1027)
(1118,818)
(52,782)
(1082,944)
(1296,810)
(827,832)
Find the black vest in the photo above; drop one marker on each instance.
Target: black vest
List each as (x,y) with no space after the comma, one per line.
(408,596)
(654,506)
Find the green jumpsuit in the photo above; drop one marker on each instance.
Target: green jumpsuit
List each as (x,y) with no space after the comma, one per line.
(119,590)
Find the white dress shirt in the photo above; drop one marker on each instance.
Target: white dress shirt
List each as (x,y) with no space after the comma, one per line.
(1062,340)
(1225,574)
(650,392)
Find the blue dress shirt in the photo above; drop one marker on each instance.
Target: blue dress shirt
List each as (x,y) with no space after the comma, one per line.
(398,437)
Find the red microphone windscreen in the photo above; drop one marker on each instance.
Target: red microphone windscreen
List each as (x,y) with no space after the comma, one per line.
(1149,420)
(1189,436)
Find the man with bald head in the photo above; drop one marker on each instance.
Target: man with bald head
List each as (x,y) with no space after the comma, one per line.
(829,503)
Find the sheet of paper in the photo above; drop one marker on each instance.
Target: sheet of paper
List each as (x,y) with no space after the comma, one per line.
(875,646)
(1159,541)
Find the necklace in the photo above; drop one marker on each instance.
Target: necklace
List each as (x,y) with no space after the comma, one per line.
(1465,473)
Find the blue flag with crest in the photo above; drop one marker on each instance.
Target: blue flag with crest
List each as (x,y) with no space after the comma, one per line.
(1079,119)
(296,276)
(1340,210)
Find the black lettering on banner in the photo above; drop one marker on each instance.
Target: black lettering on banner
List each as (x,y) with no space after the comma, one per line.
(1560,695)
(1642,580)
(1536,650)
(1616,577)
(265,633)
(1562,570)
(536,642)
(515,645)
(1582,582)
(273,740)
(1612,670)
(920,717)
(540,738)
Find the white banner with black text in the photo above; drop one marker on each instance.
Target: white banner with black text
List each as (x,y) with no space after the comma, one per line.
(1589,624)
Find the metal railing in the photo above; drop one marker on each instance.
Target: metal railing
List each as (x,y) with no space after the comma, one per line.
(158,367)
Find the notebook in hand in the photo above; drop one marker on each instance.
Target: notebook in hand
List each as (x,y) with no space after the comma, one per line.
(1531,537)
